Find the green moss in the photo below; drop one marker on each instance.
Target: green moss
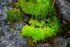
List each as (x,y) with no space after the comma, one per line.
(43,22)
(40,30)
(35,7)
(14,15)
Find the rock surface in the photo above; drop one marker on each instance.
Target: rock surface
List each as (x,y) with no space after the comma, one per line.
(61,42)
(9,37)
(64,8)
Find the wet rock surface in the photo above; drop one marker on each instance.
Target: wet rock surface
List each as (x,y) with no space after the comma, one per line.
(64,8)
(10,37)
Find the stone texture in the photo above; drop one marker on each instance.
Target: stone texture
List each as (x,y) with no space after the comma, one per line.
(43,45)
(9,37)
(61,42)
(64,8)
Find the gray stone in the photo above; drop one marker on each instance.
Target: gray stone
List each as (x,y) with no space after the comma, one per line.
(12,38)
(64,8)
(61,42)
(18,25)
(43,45)
(8,36)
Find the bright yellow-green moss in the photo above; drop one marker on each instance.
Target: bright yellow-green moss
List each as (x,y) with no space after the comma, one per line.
(40,30)
(34,7)
(43,22)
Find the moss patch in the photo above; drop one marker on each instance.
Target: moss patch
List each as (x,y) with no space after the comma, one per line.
(34,7)
(14,15)
(40,30)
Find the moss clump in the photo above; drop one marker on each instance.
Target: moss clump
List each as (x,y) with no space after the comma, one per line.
(14,15)
(43,22)
(35,7)
(39,30)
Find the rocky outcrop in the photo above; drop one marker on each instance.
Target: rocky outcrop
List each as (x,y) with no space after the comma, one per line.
(64,8)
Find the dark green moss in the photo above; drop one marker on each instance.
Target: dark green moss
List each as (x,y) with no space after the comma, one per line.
(14,15)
